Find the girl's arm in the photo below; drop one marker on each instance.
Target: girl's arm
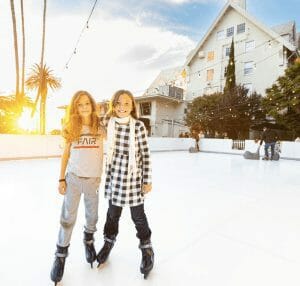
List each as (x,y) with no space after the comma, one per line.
(145,151)
(63,166)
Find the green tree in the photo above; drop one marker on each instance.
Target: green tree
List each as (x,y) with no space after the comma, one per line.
(203,113)
(42,79)
(230,83)
(282,100)
(240,111)
(232,113)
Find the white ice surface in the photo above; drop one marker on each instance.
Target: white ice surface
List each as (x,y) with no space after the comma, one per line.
(217,220)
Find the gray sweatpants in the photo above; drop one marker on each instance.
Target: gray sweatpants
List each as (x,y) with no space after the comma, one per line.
(75,187)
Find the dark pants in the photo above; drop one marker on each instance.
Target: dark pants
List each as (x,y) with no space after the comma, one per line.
(267,145)
(111,227)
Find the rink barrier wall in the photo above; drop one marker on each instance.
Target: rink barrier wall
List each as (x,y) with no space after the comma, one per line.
(13,147)
(18,147)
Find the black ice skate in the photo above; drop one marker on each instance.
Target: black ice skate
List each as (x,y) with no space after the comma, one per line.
(90,252)
(147,257)
(105,250)
(58,267)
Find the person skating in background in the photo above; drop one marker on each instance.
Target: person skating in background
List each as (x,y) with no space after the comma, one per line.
(270,137)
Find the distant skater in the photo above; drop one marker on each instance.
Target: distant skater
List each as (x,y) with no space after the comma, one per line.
(270,137)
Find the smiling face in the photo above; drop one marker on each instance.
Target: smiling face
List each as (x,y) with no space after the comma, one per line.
(123,106)
(84,106)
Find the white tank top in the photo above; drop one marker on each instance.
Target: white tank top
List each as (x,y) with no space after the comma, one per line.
(86,155)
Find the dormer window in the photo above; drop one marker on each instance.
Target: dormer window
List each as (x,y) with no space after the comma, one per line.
(241,28)
(230,32)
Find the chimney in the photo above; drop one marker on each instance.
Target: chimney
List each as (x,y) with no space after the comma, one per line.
(240,3)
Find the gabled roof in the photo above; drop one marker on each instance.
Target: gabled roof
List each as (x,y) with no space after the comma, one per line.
(165,76)
(244,13)
(283,29)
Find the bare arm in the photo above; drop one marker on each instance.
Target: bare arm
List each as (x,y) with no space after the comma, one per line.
(63,166)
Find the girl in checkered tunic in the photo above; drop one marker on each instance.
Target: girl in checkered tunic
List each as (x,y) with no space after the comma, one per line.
(128,175)
(81,169)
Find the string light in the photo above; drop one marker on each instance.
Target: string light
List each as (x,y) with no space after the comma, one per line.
(86,26)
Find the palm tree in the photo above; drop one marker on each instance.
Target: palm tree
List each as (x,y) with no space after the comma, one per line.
(13,15)
(43,101)
(23,49)
(44,34)
(41,79)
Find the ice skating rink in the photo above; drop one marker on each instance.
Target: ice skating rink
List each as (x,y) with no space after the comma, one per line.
(217,220)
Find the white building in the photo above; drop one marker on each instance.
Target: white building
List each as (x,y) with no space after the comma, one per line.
(261,53)
(162,107)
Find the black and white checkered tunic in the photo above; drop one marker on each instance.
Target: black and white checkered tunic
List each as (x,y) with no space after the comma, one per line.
(120,188)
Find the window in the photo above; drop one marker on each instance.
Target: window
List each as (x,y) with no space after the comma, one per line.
(250,45)
(227,51)
(248,68)
(241,28)
(211,56)
(230,32)
(145,108)
(210,75)
(249,87)
(221,35)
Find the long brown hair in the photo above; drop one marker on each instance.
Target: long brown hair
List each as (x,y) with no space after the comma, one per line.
(72,129)
(113,102)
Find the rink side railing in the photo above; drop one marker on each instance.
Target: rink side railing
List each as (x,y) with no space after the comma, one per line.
(13,147)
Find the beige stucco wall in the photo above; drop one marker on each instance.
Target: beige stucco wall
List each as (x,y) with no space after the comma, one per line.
(162,114)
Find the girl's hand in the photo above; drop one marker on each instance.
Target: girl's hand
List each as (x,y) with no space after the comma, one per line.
(62,187)
(147,188)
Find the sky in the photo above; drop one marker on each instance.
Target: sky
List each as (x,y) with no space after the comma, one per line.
(126,45)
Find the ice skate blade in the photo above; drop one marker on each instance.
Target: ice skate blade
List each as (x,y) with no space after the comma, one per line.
(101,265)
